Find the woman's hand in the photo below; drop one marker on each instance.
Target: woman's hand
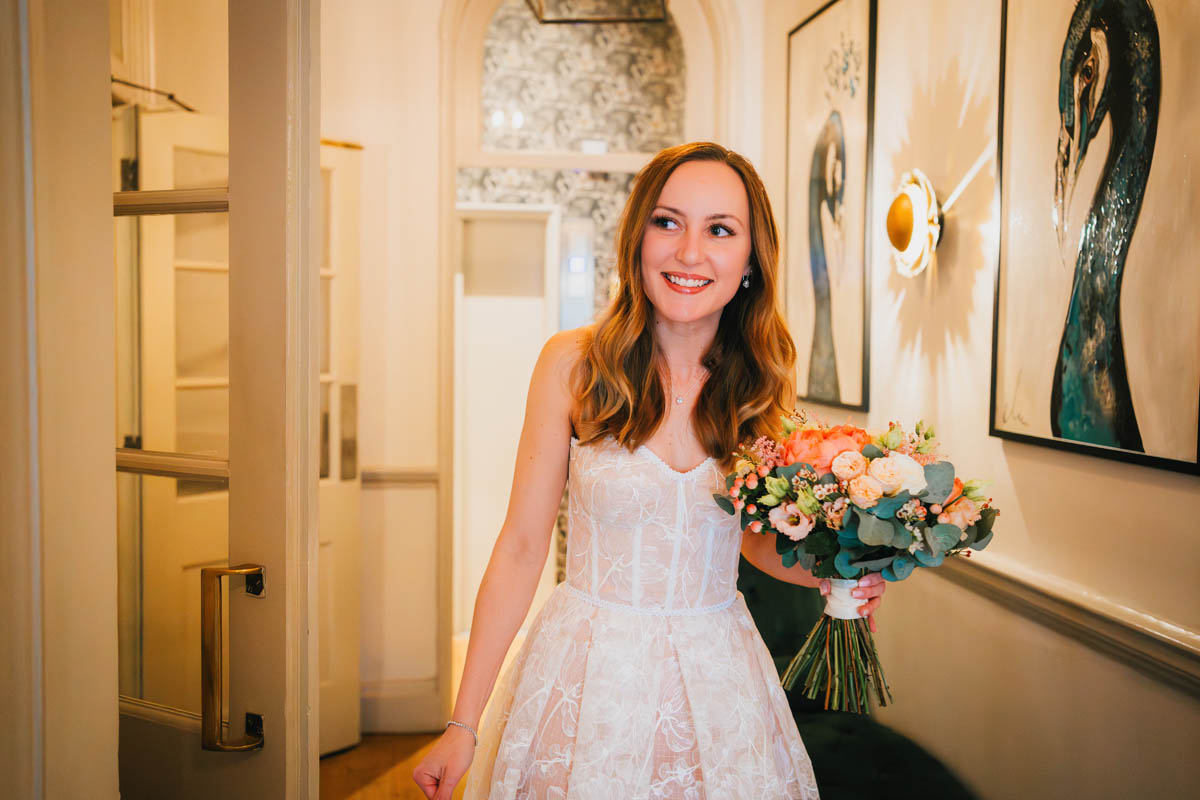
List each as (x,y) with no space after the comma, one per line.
(872,586)
(443,766)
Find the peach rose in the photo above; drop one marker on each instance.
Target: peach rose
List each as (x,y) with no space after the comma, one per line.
(897,471)
(963,512)
(848,464)
(864,491)
(819,447)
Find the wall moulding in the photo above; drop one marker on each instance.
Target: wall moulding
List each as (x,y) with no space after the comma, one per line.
(1154,647)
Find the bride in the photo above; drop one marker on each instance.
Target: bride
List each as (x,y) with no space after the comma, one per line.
(643,675)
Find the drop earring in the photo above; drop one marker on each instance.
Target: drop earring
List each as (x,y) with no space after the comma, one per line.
(746,281)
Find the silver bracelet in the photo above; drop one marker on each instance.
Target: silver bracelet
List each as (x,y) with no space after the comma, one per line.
(464,725)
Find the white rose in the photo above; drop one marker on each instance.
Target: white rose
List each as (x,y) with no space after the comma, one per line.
(887,472)
(848,464)
(912,474)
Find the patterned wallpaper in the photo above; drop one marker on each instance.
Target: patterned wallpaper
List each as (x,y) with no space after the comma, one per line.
(597,196)
(622,83)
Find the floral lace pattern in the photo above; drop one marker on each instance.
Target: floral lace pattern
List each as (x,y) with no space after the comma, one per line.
(643,675)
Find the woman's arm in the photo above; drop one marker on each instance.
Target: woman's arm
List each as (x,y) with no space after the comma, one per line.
(759,550)
(518,556)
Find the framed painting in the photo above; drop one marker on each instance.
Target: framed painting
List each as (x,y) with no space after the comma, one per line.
(1096,332)
(831,92)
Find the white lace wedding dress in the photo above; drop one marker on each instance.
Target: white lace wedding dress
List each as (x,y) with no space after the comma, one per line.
(643,675)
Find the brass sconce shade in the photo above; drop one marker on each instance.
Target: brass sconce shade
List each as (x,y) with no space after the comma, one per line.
(914,223)
(574,11)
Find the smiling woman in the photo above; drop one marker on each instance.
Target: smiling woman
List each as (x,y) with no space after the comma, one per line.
(644,667)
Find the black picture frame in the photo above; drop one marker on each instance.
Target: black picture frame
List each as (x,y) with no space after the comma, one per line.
(802,265)
(1011,408)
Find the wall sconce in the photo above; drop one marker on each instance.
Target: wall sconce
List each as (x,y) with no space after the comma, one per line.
(552,11)
(914,223)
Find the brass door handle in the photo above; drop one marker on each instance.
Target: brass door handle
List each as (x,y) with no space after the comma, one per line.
(212,694)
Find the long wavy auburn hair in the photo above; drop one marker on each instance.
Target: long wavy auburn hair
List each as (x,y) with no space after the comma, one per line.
(619,378)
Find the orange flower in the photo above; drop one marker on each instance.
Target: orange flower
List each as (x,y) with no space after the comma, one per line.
(819,446)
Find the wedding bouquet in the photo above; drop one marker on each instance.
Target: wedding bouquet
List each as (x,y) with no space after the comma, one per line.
(843,503)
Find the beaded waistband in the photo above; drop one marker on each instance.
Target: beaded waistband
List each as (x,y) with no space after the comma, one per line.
(625,608)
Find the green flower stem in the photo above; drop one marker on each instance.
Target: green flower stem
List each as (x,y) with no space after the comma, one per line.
(839,661)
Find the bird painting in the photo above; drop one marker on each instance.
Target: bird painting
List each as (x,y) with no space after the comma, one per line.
(1110,70)
(825,192)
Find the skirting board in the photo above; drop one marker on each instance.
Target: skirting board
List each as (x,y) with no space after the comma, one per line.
(402,706)
(1172,663)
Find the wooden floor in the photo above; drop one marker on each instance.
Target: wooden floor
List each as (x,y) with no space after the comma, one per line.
(377,769)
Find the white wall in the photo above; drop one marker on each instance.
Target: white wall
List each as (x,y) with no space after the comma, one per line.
(379,89)
(1013,708)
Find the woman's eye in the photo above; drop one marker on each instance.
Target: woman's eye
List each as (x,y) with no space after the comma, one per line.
(719,230)
(666,223)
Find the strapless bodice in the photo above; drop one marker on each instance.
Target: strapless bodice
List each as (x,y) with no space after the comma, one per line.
(646,538)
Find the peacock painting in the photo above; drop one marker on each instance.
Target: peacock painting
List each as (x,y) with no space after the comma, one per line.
(1096,331)
(1110,69)
(831,85)
(826,180)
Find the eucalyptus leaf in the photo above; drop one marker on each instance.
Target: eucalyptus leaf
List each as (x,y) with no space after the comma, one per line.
(987,518)
(874,564)
(926,560)
(821,543)
(724,502)
(789,472)
(827,478)
(888,574)
(729,480)
(746,519)
(901,536)
(871,451)
(807,561)
(942,537)
(874,531)
(982,541)
(842,562)
(903,566)
(790,558)
(849,539)
(939,482)
(888,506)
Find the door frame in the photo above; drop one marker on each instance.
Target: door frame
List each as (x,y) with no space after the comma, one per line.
(59,675)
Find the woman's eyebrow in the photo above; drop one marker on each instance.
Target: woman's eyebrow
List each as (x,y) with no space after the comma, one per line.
(733,217)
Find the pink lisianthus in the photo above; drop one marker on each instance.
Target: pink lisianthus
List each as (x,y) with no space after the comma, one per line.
(819,446)
(791,521)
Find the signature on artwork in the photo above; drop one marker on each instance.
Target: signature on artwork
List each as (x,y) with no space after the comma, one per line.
(1009,412)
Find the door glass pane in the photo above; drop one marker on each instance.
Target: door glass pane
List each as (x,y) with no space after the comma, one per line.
(202,421)
(200,169)
(325,213)
(202,238)
(326,289)
(202,324)
(164,540)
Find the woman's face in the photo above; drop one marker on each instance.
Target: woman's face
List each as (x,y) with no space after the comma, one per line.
(696,247)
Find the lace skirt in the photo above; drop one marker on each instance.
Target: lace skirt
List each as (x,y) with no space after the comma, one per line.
(604,703)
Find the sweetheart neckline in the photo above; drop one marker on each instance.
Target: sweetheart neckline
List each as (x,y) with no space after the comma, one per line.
(657,459)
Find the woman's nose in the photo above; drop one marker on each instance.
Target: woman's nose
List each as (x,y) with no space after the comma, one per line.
(691,250)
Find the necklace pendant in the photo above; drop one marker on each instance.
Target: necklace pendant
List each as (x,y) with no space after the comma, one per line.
(678,399)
